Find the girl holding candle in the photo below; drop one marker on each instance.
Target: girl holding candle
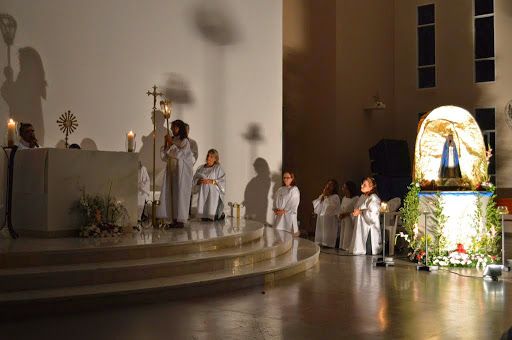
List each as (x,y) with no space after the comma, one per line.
(367,233)
(327,209)
(349,190)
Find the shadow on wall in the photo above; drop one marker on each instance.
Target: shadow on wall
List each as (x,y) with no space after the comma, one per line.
(24,94)
(215,24)
(176,89)
(146,150)
(86,144)
(256,192)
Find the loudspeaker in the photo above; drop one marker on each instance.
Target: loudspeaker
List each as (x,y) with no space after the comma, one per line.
(390,157)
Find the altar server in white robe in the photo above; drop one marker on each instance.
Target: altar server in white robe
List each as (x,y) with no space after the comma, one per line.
(367,233)
(348,202)
(286,202)
(177,183)
(327,209)
(211,181)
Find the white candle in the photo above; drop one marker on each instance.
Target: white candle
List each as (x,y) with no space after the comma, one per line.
(11,132)
(131,141)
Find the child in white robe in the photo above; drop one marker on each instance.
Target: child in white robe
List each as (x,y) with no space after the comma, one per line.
(286,202)
(367,233)
(211,181)
(177,184)
(348,202)
(327,208)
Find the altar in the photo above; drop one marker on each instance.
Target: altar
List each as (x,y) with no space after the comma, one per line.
(47,182)
(463,222)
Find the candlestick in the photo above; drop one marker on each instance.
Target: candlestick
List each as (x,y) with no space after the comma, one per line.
(130,138)
(11,132)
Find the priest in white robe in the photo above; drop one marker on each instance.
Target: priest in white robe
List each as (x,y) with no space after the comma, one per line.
(367,233)
(177,183)
(286,203)
(327,209)
(28,138)
(348,202)
(210,180)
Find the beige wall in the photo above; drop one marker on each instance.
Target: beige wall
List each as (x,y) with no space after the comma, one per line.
(337,56)
(100,57)
(455,84)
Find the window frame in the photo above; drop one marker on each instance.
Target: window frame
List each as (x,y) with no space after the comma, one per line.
(475,59)
(418,67)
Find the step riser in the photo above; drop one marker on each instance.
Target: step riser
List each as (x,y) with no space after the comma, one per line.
(13,260)
(91,302)
(19,282)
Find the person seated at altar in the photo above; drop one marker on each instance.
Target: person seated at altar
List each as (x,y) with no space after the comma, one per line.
(210,179)
(450,160)
(144,190)
(286,203)
(350,192)
(193,144)
(28,138)
(327,208)
(74,146)
(177,181)
(366,238)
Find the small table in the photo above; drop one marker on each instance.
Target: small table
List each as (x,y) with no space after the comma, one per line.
(10,152)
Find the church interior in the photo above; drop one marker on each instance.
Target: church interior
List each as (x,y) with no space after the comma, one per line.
(271,169)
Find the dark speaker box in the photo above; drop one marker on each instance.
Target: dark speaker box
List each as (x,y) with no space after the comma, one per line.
(390,158)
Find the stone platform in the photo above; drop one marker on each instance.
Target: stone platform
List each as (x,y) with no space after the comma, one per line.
(202,258)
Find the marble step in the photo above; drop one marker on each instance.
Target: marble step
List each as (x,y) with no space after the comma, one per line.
(302,255)
(273,243)
(196,237)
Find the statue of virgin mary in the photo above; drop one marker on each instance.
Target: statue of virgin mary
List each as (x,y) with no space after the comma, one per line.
(450,160)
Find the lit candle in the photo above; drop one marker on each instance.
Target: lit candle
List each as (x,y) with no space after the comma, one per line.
(11,132)
(131,141)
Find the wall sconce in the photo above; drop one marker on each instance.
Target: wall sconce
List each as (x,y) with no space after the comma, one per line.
(377,104)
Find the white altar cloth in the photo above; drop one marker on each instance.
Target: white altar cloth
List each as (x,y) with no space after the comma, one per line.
(48,181)
(460,209)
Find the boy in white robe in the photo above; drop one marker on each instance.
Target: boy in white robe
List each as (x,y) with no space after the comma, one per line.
(177,184)
(286,202)
(367,233)
(211,181)
(327,209)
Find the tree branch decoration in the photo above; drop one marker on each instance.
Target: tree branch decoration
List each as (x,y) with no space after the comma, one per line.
(67,124)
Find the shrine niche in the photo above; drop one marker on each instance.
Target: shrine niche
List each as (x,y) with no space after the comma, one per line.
(450,208)
(450,150)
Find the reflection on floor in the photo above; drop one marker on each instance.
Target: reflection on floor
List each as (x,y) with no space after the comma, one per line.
(342,297)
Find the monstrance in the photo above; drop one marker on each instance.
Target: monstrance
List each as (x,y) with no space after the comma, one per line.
(67,124)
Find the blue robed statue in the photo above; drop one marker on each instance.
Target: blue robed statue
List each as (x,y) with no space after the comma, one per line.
(450,160)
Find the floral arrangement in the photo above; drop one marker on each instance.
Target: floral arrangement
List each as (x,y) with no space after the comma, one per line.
(100,216)
(484,248)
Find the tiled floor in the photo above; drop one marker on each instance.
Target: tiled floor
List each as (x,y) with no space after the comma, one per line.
(342,297)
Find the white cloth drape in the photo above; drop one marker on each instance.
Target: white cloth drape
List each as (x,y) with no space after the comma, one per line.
(195,149)
(327,220)
(366,223)
(346,223)
(287,199)
(210,201)
(144,188)
(177,180)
